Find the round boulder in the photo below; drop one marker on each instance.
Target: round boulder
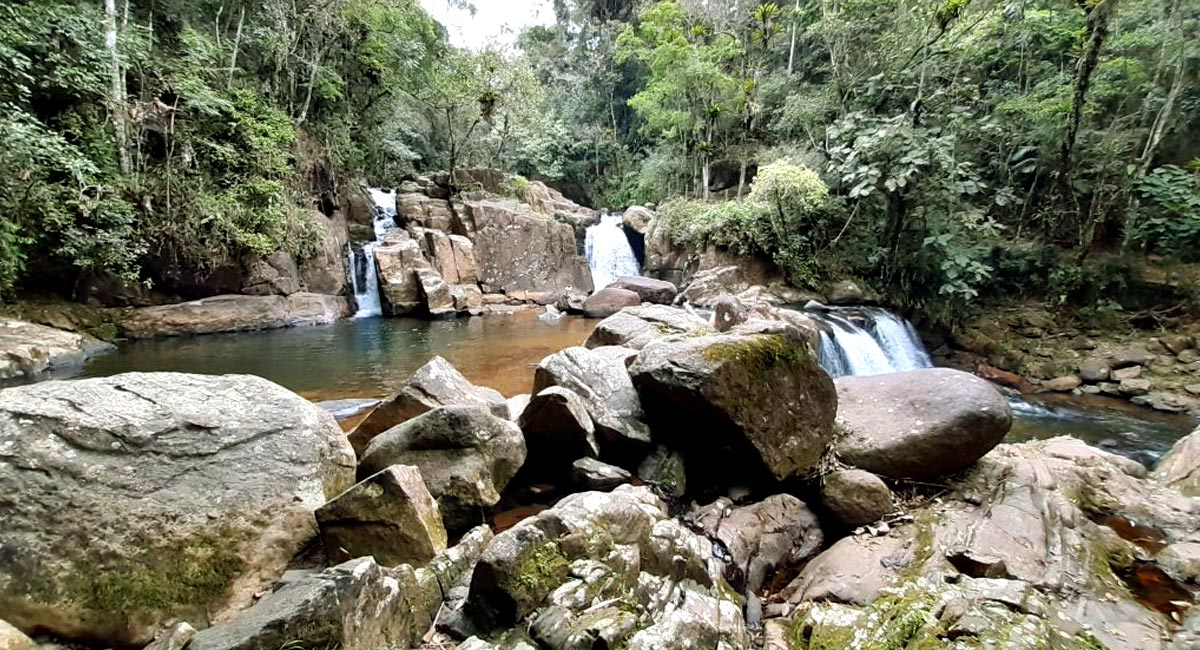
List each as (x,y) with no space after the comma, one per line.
(919,424)
(141,498)
(856,497)
(658,292)
(608,301)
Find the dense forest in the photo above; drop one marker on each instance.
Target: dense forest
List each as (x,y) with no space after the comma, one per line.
(941,151)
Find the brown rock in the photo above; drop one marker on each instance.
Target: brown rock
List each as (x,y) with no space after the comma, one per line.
(764,537)
(1095,370)
(1177,343)
(659,292)
(325,271)
(606,302)
(1063,384)
(1131,372)
(1135,387)
(233,313)
(856,497)
(1134,356)
(398,258)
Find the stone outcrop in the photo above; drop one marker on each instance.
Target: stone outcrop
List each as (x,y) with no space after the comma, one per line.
(325,272)
(608,301)
(390,516)
(606,568)
(636,327)
(358,605)
(1180,467)
(398,258)
(28,350)
(558,431)
(658,292)
(465,453)
(743,408)
(919,424)
(13,639)
(140,498)
(589,474)
(234,313)
(435,384)
(638,218)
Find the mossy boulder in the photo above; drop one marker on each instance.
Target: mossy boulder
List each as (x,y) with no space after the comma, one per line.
(146,497)
(744,409)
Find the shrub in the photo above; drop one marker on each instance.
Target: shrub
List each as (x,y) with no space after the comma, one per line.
(1168,221)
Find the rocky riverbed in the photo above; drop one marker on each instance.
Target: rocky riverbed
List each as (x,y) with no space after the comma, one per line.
(685,482)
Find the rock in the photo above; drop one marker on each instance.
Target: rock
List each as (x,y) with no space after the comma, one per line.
(600,378)
(467,298)
(746,408)
(659,292)
(13,639)
(435,384)
(591,474)
(1094,370)
(856,497)
(1063,384)
(453,256)
(729,313)
(390,516)
(274,274)
(358,605)
(517,405)
(466,455)
(576,561)
(325,272)
(638,218)
(1135,387)
(1134,356)
(519,249)
(1177,343)
(666,469)
(709,285)
(435,293)
(846,292)
(27,350)
(764,537)
(139,498)
(635,327)
(175,637)
(606,302)
(1194,389)
(571,301)
(1188,356)
(398,258)
(233,313)
(1168,402)
(1182,561)
(1131,372)
(558,430)
(919,424)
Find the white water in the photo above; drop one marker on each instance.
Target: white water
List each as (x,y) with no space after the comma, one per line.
(868,341)
(608,252)
(365,279)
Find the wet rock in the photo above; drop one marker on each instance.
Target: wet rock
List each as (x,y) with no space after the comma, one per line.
(466,455)
(1063,384)
(846,292)
(1135,387)
(558,430)
(1177,343)
(764,537)
(27,350)
(591,474)
(234,313)
(390,516)
(435,384)
(1134,356)
(608,301)
(1168,402)
(600,378)
(636,327)
(666,469)
(1094,370)
(13,639)
(856,497)
(659,292)
(744,408)
(919,424)
(1132,372)
(113,489)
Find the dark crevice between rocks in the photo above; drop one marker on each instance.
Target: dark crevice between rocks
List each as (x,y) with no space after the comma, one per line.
(1150,539)
(1154,589)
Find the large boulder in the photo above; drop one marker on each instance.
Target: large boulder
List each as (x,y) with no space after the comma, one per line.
(398,258)
(27,350)
(466,454)
(659,292)
(919,424)
(558,431)
(710,284)
(636,327)
(743,408)
(233,313)
(358,605)
(390,516)
(325,271)
(1180,467)
(638,218)
(600,378)
(272,274)
(517,249)
(437,383)
(608,301)
(141,498)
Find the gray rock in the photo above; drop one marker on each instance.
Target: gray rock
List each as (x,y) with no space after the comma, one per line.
(435,293)
(919,424)
(517,405)
(638,218)
(558,430)
(659,292)
(591,474)
(709,285)
(666,469)
(1094,370)
(571,301)
(435,384)
(608,301)
(344,409)
(846,292)
(390,516)
(764,537)
(519,249)
(1177,343)
(28,350)
(600,378)
(1133,356)
(13,639)
(856,497)
(145,497)
(175,637)
(466,455)
(233,313)
(744,408)
(398,258)
(729,313)
(1135,387)
(1131,372)
(636,327)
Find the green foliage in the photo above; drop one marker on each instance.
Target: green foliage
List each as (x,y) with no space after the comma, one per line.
(1168,221)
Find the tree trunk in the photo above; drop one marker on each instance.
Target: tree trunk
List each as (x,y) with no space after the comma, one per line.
(704,175)
(1098,17)
(792,49)
(120,126)
(742,178)
(1163,119)
(237,42)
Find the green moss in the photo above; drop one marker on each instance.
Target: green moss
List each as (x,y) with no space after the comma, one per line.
(105,332)
(539,571)
(760,353)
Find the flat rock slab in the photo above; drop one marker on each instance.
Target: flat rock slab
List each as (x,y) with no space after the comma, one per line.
(234,313)
(27,349)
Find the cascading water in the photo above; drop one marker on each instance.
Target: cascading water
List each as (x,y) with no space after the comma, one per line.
(868,341)
(361,261)
(608,252)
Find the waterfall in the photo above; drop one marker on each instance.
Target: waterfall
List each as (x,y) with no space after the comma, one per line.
(608,252)
(868,341)
(361,261)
